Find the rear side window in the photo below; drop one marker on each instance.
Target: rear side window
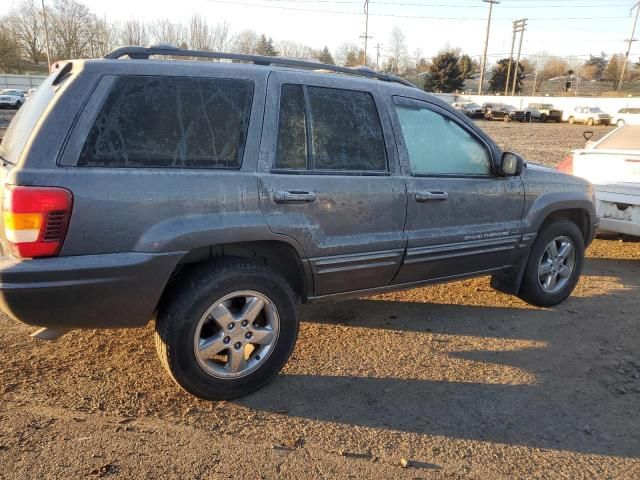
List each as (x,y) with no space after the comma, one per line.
(344,128)
(181,122)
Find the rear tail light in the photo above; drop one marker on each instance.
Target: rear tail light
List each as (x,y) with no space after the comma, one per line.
(35,219)
(566,165)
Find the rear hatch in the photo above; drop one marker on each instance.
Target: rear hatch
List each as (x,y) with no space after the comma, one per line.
(23,125)
(605,166)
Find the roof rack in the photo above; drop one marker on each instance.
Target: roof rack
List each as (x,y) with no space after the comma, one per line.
(143,53)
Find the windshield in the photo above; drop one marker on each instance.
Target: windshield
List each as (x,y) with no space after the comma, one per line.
(547,106)
(511,108)
(625,138)
(596,110)
(472,105)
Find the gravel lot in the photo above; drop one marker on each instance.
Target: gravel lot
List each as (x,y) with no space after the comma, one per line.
(454,381)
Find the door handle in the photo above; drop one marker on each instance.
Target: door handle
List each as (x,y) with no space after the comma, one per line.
(293,196)
(431,196)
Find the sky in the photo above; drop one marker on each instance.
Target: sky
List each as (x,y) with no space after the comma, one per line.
(568,28)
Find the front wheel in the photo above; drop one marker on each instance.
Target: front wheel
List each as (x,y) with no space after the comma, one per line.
(620,122)
(554,264)
(228,331)
(590,122)
(572,120)
(543,118)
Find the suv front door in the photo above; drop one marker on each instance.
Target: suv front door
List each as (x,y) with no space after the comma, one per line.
(329,178)
(461,217)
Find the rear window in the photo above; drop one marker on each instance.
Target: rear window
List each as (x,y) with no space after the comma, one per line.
(23,123)
(181,122)
(626,138)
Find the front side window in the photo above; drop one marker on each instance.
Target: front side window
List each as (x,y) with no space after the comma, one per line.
(439,146)
(344,128)
(160,121)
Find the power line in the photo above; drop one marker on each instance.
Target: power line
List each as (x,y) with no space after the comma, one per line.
(419,17)
(447,5)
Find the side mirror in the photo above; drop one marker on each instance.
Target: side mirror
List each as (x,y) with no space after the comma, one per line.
(511,164)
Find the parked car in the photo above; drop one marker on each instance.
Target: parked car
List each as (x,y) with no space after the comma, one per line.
(214,197)
(627,116)
(10,98)
(589,116)
(612,164)
(543,112)
(470,109)
(502,111)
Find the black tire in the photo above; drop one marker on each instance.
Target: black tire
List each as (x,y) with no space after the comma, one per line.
(527,116)
(543,118)
(179,315)
(590,121)
(18,105)
(530,290)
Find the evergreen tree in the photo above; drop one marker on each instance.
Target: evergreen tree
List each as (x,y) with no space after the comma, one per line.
(325,56)
(498,80)
(445,74)
(265,47)
(467,66)
(596,66)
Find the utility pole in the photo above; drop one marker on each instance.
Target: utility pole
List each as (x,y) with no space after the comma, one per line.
(366,29)
(630,40)
(46,34)
(378,47)
(516,24)
(486,44)
(522,28)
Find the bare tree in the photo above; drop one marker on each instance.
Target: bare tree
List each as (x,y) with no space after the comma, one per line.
(221,38)
(348,55)
(397,51)
(166,31)
(199,37)
(25,21)
(246,42)
(71,24)
(134,32)
(288,48)
(9,49)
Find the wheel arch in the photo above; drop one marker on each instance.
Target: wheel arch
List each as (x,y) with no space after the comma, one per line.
(278,255)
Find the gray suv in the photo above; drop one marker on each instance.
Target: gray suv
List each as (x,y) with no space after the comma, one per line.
(215,196)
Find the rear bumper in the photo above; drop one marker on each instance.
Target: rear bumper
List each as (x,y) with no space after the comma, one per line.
(91,291)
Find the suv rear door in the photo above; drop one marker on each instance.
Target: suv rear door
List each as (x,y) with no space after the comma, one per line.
(329,178)
(461,217)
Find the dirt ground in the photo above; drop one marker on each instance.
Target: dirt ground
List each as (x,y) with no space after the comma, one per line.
(453,381)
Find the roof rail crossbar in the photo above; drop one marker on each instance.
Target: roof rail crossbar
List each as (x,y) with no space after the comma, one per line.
(143,53)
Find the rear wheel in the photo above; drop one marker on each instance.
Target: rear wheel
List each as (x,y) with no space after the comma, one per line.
(543,118)
(620,122)
(228,331)
(572,120)
(554,264)
(590,121)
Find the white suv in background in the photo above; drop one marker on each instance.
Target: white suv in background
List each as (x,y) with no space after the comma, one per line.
(627,115)
(589,116)
(12,98)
